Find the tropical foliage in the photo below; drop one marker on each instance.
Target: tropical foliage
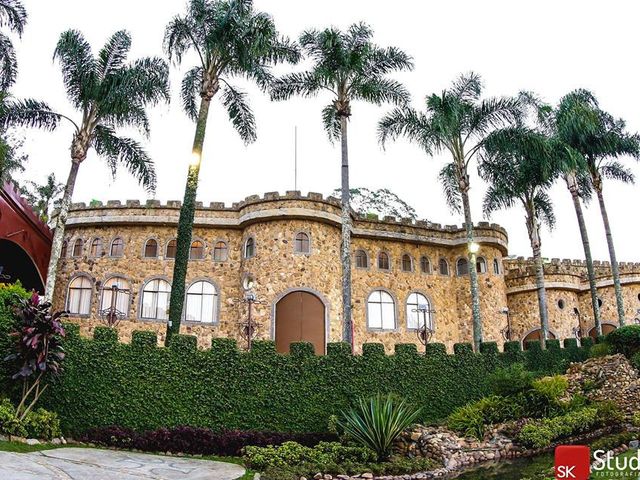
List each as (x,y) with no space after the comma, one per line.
(230,39)
(13,16)
(382,202)
(350,67)
(457,121)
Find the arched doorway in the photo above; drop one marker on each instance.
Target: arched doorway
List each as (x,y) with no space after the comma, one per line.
(536,335)
(607,328)
(16,265)
(300,317)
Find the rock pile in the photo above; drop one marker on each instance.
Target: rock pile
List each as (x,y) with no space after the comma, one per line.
(606,378)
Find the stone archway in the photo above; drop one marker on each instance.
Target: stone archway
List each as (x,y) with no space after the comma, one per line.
(16,265)
(607,328)
(300,316)
(536,334)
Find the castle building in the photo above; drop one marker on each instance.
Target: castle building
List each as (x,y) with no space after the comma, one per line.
(282,252)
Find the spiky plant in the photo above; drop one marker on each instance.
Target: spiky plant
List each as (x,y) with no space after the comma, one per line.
(349,67)
(230,39)
(110,93)
(377,421)
(457,121)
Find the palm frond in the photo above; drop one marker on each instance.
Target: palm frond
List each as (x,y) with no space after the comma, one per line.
(615,170)
(28,113)
(178,38)
(114,53)
(409,123)
(78,67)
(306,84)
(467,87)
(240,113)
(380,90)
(331,122)
(121,150)
(8,63)
(497,198)
(383,61)
(190,92)
(451,187)
(13,15)
(147,81)
(544,208)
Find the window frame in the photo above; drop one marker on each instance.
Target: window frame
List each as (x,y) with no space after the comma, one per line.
(216,306)
(411,263)
(166,249)
(430,269)
(446,262)
(73,249)
(102,289)
(295,243)
(482,261)
(204,249)
(462,259)
(366,259)
(144,248)
(245,245)
(497,270)
(226,251)
(141,300)
(111,247)
(380,253)
(395,311)
(100,250)
(431,314)
(91,291)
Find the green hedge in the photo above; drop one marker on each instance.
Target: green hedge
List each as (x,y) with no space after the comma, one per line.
(142,386)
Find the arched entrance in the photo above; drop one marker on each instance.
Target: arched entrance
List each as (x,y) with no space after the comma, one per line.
(16,265)
(300,317)
(536,335)
(607,328)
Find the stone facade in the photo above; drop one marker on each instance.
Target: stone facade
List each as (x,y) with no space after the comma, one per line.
(277,269)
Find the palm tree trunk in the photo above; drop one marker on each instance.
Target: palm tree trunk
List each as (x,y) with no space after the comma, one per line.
(185,224)
(58,235)
(573,188)
(473,273)
(347,333)
(536,244)
(615,272)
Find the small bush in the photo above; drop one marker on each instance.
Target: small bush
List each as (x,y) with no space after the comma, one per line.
(511,380)
(625,340)
(42,424)
(635,420)
(468,420)
(542,433)
(608,412)
(610,442)
(551,387)
(601,350)
(9,423)
(635,360)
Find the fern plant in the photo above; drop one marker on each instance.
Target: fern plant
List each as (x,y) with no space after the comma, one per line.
(377,421)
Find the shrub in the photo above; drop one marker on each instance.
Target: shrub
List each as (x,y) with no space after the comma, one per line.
(601,350)
(625,340)
(610,442)
(551,388)
(511,380)
(635,360)
(635,419)
(468,420)
(541,433)
(608,412)
(9,423)
(197,441)
(376,422)
(42,424)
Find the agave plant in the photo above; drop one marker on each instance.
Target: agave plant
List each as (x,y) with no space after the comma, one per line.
(377,421)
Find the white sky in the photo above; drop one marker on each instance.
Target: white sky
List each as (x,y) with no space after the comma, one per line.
(550,47)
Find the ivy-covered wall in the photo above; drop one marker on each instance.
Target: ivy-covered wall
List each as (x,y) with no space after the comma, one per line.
(142,386)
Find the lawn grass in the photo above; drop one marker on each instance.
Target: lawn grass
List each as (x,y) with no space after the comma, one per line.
(19,447)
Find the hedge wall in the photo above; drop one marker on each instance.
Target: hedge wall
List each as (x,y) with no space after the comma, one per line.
(142,386)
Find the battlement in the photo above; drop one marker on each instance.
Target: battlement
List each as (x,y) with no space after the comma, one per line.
(520,266)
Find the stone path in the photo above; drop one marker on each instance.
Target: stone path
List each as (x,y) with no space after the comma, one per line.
(95,464)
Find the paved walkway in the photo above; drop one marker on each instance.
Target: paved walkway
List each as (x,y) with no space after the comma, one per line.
(95,464)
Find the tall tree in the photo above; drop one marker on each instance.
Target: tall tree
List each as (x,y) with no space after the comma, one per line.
(520,166)
(602,141)
(14,16)
(110,93)
(458,121)
(382,202)
(230,39)
(350,67)
(43,197)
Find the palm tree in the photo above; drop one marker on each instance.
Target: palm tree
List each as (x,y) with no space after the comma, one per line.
(350,67)
(43,197)
(14,16)
(110,93)
(519,165)
(457,121)
(601,140)
(230,39)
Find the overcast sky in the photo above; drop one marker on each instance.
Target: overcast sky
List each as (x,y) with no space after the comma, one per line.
(547,46)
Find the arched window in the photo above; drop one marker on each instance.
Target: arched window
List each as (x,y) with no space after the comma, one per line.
(418,311)
(407,263)
(496,266)
(383,261)
(462,267)
(425,265)
(362,260)
(481,265)
(202,302)
(151,248)
(443,266)
(116,288)
(96,247)
(79,296)
(220,252)
(381,311)
(196,252)
(171,248)
(78,246)
(155,300)
(117,247)
(63,250)
(302,243)
(249,248)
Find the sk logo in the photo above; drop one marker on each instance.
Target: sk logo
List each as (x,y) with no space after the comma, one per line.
(572,462)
